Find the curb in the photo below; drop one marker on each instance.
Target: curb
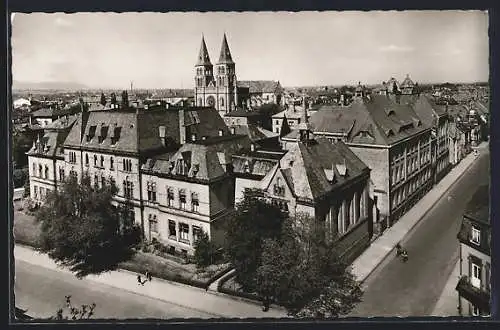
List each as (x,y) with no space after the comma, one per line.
(414,227)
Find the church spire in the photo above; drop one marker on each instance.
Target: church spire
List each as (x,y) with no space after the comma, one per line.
(225,53)
(203,58)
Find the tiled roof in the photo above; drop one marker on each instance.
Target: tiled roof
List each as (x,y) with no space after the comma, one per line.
(203,57)
(478,206)
(261,86)
(138,131)
(407,82)
(254,132)
(305,163)
(205,161)
(62,123)
(225,53)
(257,163)
(425,107)
(375,120)
(290,113)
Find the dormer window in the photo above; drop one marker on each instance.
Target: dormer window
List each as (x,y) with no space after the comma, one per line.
(279,189)
(476,236)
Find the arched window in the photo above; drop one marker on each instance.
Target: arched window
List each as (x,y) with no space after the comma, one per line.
(86,159)
(221,102)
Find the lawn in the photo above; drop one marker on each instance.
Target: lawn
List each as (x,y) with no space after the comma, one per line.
(27,232)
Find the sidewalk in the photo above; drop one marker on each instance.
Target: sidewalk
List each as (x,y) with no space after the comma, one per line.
(183,295)
(376,253)
(448,301)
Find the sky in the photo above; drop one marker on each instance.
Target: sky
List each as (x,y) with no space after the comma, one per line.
(159,50)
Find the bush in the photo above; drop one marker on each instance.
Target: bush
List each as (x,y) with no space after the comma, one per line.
(20,176)
(206,252)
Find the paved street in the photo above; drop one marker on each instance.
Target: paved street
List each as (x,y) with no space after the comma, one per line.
(413,289)
(179,300)
(42,291)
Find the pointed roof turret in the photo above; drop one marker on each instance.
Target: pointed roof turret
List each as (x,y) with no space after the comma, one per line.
(203,57)
(225,53)
(304,127)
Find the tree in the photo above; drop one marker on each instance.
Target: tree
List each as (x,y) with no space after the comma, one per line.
(253,222)
(103,99)
(26,192)
(302,272)
(81,229)
(113,98)
(205,251)
(70,312)
(124,99)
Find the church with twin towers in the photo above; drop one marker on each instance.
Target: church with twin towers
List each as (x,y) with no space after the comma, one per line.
(217,86)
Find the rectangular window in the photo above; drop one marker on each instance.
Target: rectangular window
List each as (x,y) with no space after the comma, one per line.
(170,197)
(476,236)
(194,202)
(127,165)
(151,186)
(95,160)
(61,174)
(128,189)
(153,224)
(102,161)
(172,231)
(196,233)
(475,278)
(111,164)
(40,170)
(36,191)
(33,169)
(182,199)
(184,232)
(46,176)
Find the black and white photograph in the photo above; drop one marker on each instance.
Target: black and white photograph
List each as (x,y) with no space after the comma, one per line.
(263,165)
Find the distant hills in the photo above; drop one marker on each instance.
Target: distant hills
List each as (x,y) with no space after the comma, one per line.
(48,85)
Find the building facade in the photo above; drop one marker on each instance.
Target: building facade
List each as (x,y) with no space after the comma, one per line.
(190,191)
(389,137)
(474,287)
(112,145)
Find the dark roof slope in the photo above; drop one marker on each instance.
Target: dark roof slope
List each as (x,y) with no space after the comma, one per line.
(378,119)
(306,162)
(478,207)
(203,57)
(261,86)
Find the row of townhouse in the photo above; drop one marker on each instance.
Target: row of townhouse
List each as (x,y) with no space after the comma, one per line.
(183,171)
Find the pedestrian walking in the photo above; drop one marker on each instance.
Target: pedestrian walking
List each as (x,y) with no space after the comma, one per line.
(139,279)
(148,276)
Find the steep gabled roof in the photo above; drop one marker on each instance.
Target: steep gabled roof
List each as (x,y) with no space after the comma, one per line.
(225,53)
(305,163)
(203,57)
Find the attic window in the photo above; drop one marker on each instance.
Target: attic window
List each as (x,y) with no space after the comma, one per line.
(342,169)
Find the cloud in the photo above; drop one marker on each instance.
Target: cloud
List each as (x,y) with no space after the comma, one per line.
(63,22)
(395,49)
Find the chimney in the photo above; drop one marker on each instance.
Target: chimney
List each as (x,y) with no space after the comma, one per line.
(161,131)
(182,127)
(252,147)
(221,132)
(233,130)
(112,130)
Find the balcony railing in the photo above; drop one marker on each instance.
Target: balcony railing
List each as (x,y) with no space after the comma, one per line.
(479,297)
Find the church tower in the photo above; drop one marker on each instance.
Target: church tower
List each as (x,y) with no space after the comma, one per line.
(225,76)
(204,75)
